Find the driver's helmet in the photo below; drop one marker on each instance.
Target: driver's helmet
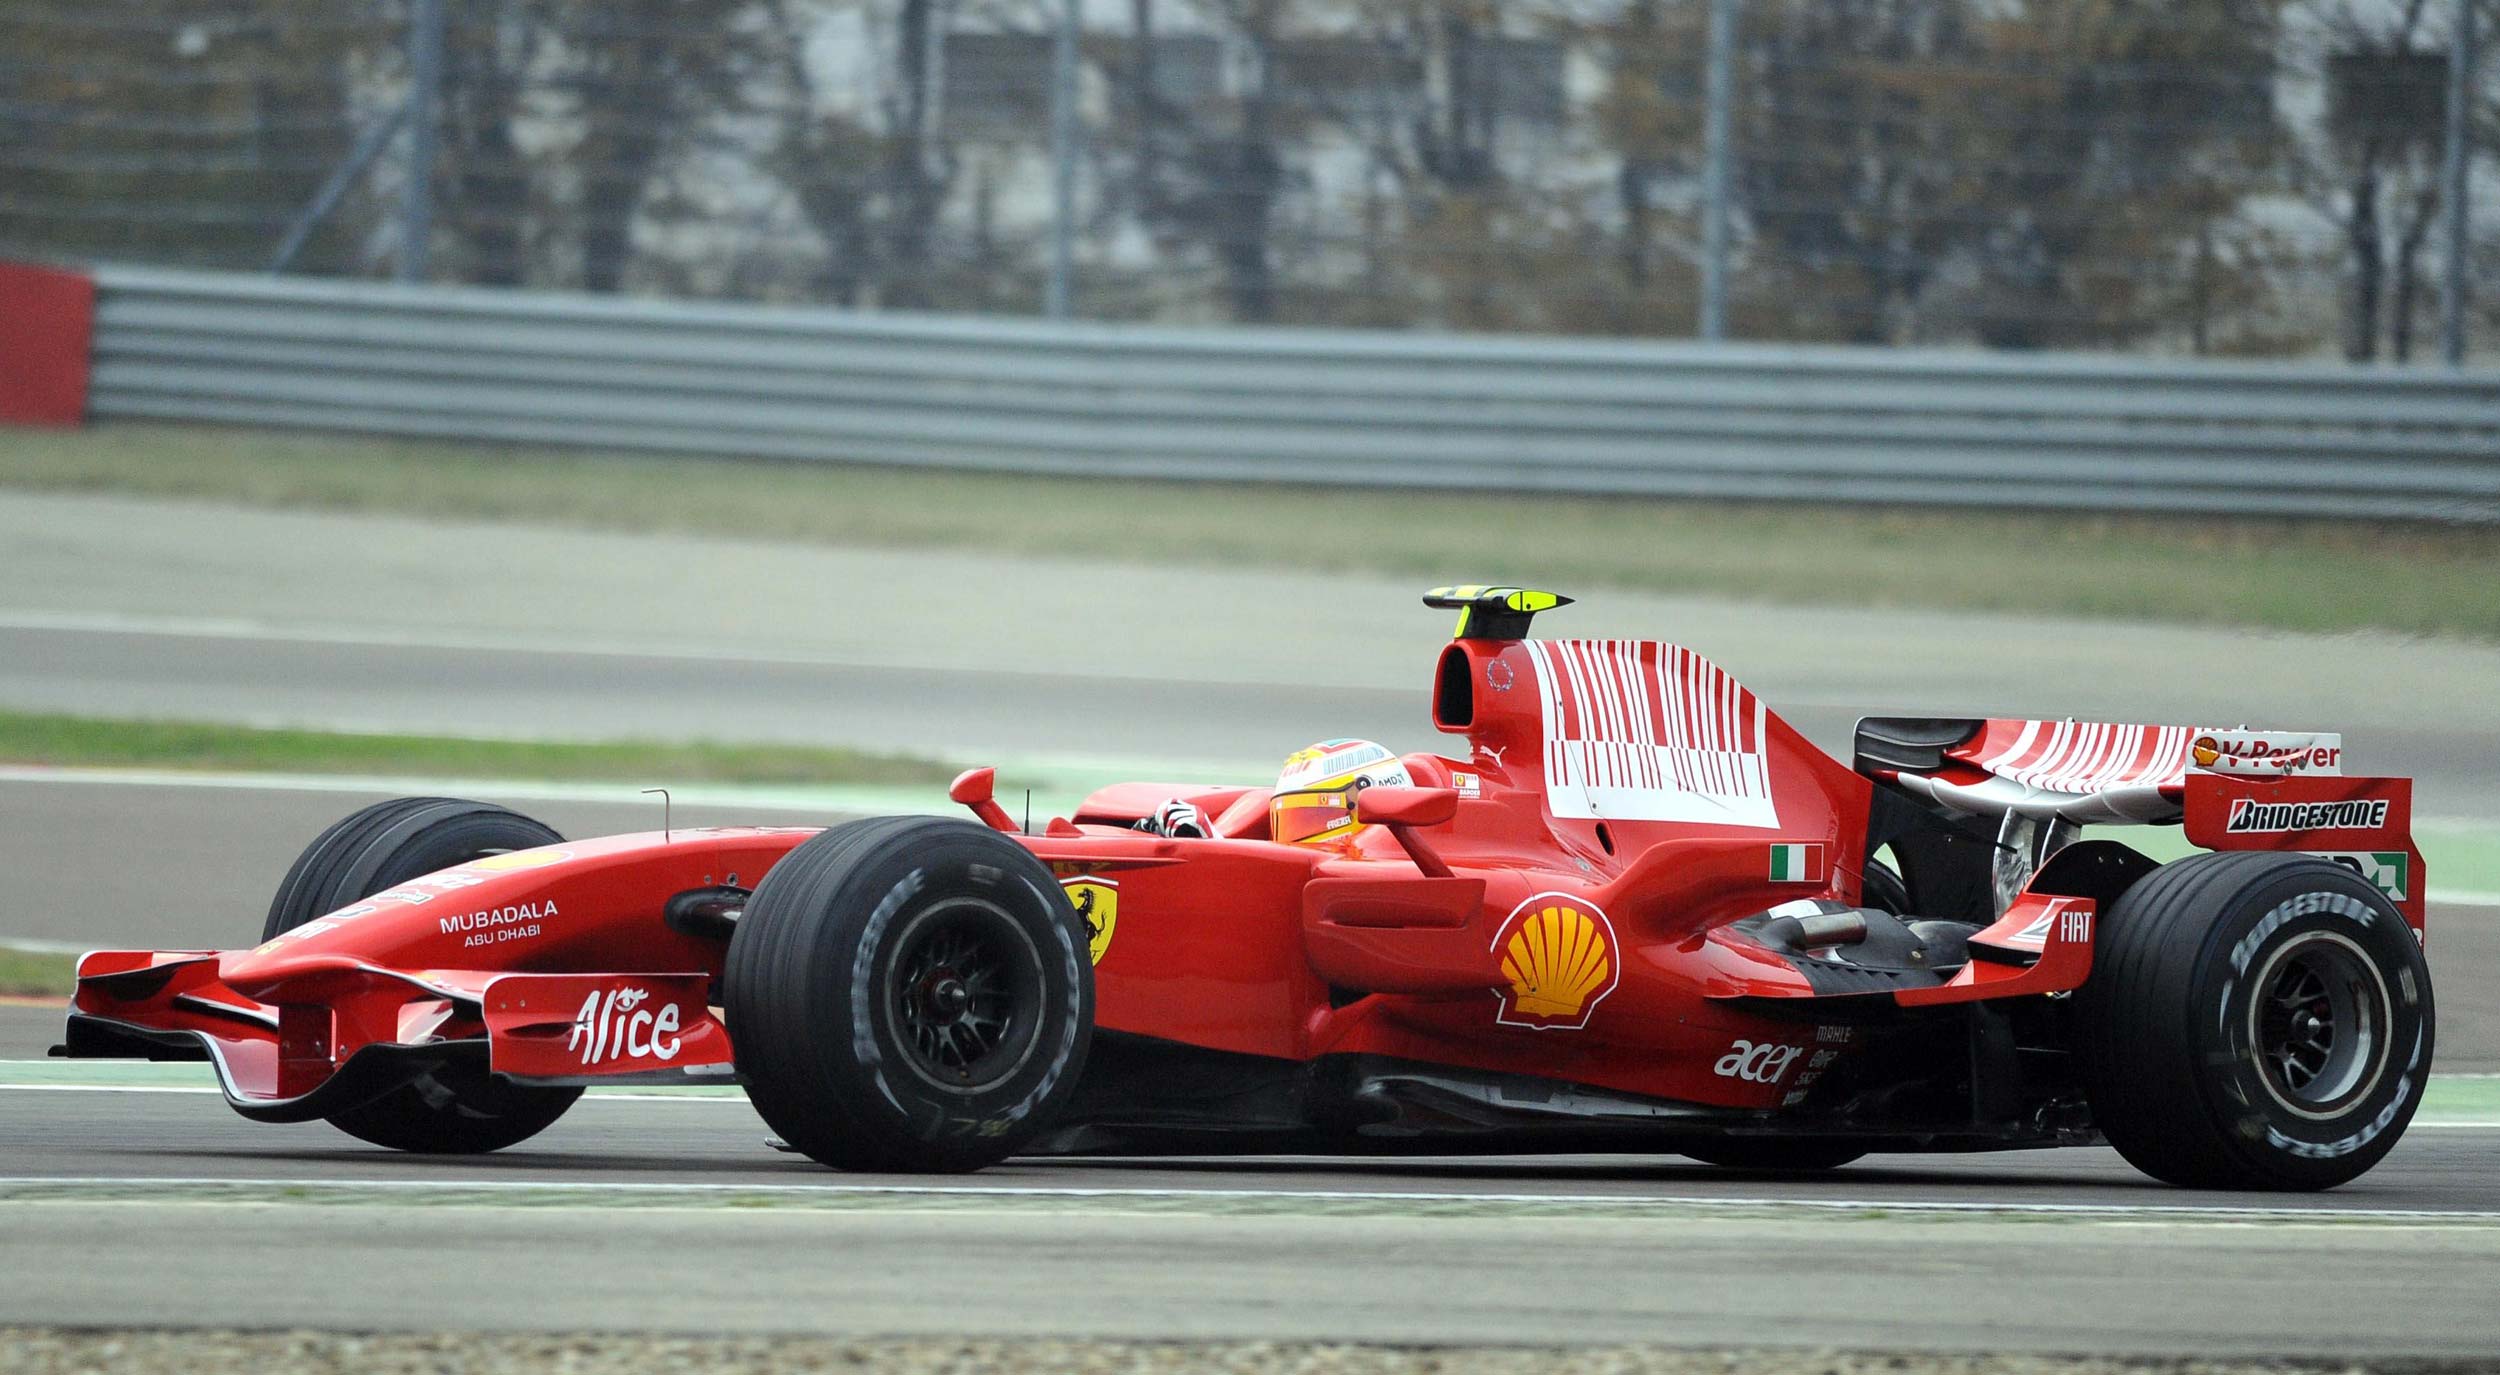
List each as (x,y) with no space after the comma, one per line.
(1314,798)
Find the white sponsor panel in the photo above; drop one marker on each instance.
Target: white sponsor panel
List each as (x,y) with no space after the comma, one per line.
(1640,731)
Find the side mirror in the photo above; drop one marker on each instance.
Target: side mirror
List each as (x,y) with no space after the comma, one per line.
(975,788)
(1405,806)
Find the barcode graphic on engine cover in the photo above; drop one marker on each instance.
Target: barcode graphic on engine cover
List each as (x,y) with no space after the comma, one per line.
(1641,731)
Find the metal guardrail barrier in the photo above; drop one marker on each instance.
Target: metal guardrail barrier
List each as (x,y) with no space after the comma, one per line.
(1315,406)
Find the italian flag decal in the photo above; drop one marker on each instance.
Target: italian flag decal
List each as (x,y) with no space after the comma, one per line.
(1796,864)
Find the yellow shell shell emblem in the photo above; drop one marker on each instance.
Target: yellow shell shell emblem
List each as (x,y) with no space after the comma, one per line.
(1558,960)
(1097,903)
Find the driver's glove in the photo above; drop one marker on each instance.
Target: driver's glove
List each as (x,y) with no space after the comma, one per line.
(1179,819)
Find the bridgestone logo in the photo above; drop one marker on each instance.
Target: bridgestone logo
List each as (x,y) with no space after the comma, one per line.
(2248,816)
(2290,910)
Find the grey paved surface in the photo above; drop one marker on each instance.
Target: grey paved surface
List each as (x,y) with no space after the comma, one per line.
(2054,1287)
(186,1135)
(117,604)
(100,865)
(1143,1262)
(192,1351)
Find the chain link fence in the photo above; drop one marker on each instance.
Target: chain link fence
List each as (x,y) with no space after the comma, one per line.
(2223,177)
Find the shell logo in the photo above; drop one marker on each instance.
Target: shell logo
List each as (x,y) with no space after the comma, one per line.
(1558,963)
(2205,750)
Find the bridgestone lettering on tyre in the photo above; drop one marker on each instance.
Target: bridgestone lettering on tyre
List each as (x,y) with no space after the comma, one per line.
(2254,1021)
(909,994)
(451,1111)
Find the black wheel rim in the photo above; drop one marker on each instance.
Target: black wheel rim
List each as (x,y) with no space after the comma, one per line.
(964,995)
(2319,1024)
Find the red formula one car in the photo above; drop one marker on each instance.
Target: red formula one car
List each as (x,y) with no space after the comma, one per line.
(1637,912)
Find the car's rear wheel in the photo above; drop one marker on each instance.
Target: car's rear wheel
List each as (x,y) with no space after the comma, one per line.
(909,994)
(1785,1153)
(2254,1021)
(458,1109)
(1882,888)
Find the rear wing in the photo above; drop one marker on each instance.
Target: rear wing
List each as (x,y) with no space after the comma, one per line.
(2091,773)
(2229,789)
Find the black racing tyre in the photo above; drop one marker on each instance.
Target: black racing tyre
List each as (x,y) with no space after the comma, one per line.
(909,994)
(457,1110)
(1883,889)
(1798,1153)
(2254,1020)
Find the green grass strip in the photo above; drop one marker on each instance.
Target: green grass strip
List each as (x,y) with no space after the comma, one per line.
(2298,575)
(96,742)
(34,974)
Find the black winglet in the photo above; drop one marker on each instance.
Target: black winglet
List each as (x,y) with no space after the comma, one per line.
(1493,613)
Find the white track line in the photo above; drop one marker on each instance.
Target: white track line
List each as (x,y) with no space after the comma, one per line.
(183,1088)
(1018,1191)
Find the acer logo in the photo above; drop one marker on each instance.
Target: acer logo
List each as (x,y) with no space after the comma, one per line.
(616,1026)
(1756,1064)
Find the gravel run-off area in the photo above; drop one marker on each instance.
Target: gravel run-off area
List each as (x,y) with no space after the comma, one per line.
(56,1351)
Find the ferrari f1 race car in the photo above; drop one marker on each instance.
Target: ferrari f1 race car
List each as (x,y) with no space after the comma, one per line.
(1636,912)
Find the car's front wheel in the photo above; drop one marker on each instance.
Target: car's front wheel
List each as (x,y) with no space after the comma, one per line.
(909,994)
(458,1109)
(2254,1021)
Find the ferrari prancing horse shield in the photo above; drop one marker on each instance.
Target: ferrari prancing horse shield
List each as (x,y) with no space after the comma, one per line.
(1097,901)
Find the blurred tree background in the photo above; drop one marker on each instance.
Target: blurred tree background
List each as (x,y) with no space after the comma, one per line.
(2250,177)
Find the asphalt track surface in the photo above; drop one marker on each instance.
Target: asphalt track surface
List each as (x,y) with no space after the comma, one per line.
(124,1207)
(114,605)
(639,1214)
